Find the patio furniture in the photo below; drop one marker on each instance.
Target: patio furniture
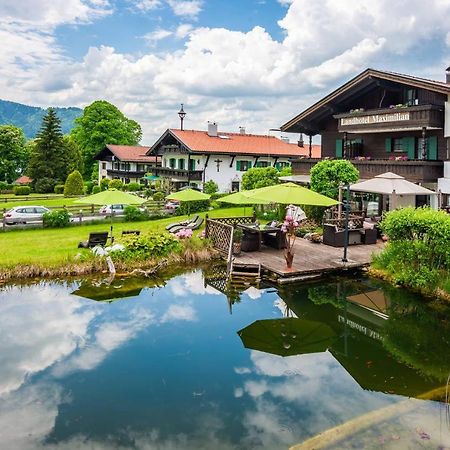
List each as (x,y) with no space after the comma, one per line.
(276,239)
(183,223)
(334,236)
(193,225)
(369,236)
(254,235)
(94,240)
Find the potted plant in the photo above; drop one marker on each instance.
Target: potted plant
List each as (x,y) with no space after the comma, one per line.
(237,238)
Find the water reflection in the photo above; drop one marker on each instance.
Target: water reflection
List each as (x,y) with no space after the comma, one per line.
(164,368)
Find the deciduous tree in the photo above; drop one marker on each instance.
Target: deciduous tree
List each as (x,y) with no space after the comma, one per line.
(258,177)
(13,153)
(103,123)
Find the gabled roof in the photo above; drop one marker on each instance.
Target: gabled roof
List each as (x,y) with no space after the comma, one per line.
(367,76)
(130,153)
(23,180)
(198,141)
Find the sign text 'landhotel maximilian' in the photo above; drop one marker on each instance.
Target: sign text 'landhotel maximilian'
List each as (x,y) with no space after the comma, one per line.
(374,118)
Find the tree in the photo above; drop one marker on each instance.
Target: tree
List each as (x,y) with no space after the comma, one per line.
(327,175)
(13,153)
(258,177)
(210,187)
(74,184)
(74,158)
(103,123)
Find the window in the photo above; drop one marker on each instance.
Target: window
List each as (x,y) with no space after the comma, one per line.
(262,164)
(172,162)
(103,166)
(410,97)
(397,145)
(283,164)
(234,186)
(181,164)
(243,166)
(192,164)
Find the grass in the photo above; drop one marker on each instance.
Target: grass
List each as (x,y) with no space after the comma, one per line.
(55,247)
(24,200)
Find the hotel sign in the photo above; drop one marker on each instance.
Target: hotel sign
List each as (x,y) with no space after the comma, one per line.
(374,119)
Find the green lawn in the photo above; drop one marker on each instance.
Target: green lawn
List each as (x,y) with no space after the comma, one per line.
(25,200)
(52,247)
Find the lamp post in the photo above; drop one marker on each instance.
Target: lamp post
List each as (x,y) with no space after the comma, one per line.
(181,115)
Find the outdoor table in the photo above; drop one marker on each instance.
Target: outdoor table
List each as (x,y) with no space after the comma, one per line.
(260,230)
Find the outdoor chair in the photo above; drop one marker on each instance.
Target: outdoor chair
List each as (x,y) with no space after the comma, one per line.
(193,225)
(128,232)
(250,242)
(335,237)
(181,224)
(95,239)
(276,239)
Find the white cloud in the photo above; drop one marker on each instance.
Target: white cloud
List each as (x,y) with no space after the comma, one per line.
(179,312)
(146,5)
(232,77)
(157,35)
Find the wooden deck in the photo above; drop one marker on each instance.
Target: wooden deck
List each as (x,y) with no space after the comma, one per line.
(311,260)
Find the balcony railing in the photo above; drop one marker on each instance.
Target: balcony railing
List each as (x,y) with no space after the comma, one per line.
(179,174)
(418,171)
(126,173)
(408,117)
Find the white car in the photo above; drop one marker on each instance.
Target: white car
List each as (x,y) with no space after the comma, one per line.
(24,214)
(116,210)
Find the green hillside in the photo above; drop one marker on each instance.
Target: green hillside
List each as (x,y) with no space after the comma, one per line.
(29,117)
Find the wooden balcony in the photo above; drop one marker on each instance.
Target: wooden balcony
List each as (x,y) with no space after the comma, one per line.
(179,174)
(412,117)
(417,171)
(126,173)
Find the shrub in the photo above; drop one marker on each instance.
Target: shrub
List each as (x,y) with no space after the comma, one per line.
(192,207)
(56,219)
(327,175)
(147,246)
(96,189)
(59,189)
(210,187)
(133,187)
(88,185)
(104,184)
(115,184)
(22,190)
(134,214)
(159,196)
(74,184)
(258,177)
(45,185)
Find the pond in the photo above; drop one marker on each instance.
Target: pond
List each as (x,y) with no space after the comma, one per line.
(189,363)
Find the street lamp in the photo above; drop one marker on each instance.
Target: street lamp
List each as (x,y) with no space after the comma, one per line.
(181,115)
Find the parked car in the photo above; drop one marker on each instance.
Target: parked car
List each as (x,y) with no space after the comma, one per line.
(24,214)
(116,210)
(172,204)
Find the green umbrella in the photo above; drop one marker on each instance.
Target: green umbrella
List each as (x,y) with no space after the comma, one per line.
(242,198)
(188,195)
(111,197)
(152,177)
(287,337)
(290,193)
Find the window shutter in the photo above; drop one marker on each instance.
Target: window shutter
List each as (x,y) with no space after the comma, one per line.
(339,148)
(432,152)
(388,145)
(409,146)
(238,166)
(249,164)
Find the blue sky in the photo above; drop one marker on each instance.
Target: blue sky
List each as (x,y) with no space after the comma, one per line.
(252,63)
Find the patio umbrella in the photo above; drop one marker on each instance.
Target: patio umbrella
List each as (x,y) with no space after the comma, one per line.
(287,337)
(188,195)
(108,292)
(111,197)
(290,193)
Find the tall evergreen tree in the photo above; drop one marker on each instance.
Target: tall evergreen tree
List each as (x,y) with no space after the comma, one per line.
(53,156)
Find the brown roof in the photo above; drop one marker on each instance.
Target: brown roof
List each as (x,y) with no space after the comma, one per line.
(132,153)
(23,180)
(368,74)
(236,143)
(316,150)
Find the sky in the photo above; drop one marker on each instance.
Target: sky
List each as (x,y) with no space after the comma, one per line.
(250,63)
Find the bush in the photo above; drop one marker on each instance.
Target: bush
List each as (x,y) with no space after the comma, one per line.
(96,189)
(192,207)
(134,214)
(258,177)
(104,184)
(74,184)
(148,246)
(133,187)
(327,175)
(22,190)
(88,185)
(115,184)
(45,185)
(59,189)
(210,187)
(56,219)
(159,196)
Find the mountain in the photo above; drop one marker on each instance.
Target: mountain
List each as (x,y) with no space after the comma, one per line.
(29,118)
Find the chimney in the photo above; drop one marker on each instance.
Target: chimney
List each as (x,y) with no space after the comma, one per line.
(241,130)
(212,129)
(285,139)
(447,75)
